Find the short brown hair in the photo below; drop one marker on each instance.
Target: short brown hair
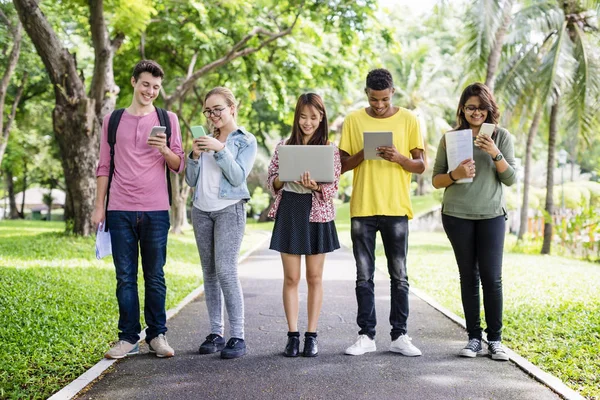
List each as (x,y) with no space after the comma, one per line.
(150,66)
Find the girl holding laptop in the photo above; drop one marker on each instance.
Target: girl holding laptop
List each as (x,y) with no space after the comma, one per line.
(304,213)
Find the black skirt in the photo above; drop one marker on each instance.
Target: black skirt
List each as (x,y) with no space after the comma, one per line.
(293,233)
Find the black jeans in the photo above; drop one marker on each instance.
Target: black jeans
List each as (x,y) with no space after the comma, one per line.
(478,247)
(394,234)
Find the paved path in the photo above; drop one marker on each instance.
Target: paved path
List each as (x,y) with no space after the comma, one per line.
(265,374)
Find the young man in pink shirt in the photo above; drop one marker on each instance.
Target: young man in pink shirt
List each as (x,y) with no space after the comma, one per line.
(138,210)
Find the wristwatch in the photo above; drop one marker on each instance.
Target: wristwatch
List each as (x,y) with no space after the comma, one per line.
(498,157)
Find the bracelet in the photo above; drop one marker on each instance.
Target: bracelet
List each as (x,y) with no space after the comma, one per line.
(451,177)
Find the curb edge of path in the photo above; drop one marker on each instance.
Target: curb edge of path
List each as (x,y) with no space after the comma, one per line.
(89,376)
(549,380)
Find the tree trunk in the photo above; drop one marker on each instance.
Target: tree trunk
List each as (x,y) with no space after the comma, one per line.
(496,50)
(264,215)
(76,116)
(22,212)
(527,169)
(77,131)
(12,201)
(180,192)
(13,58)
(49,204)
(546,246)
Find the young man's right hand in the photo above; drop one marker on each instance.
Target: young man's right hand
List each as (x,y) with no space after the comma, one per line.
(97,217)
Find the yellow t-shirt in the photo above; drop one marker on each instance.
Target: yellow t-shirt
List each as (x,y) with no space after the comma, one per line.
(381,187)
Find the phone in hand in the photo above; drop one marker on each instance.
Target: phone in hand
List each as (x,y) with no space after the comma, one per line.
(198,131)
(157,129)
(487,129)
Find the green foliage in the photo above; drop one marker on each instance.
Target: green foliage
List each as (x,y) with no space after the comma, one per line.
(120,13)
(580,234)
(594,189)
(259,201)
(59,311)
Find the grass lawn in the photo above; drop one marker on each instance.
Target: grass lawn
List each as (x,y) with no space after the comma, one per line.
(58,304)
(551,304)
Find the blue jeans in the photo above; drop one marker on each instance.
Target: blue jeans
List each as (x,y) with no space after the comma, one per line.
(149,229)
(478,247)
(394,234)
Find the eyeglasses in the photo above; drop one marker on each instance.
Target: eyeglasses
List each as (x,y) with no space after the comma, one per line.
(216,112)
(472,109)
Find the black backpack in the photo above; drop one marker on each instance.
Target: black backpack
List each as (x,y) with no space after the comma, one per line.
(113,124)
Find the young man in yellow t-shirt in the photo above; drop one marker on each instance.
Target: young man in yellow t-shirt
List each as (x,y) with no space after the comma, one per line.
(381,202)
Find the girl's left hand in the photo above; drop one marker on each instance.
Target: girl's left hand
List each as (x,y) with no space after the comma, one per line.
(307,182)
(209,143)
(486,144)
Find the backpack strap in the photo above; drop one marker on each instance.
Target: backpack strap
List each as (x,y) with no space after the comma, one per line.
(163,118)
(113,124)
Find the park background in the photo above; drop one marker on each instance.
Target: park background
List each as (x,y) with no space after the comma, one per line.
(67,63)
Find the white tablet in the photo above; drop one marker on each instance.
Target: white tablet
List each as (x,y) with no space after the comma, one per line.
(294,160)
(373,140)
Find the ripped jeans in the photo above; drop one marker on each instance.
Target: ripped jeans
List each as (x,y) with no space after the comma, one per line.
(394,234)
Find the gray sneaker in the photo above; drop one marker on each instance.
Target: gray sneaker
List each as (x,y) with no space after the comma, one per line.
(496,351)
(472,349)
(122,349)
(160,346)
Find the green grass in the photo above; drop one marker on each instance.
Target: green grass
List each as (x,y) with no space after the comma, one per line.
(551,305)
(58,306)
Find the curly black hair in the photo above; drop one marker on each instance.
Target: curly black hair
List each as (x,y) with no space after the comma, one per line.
(379,79)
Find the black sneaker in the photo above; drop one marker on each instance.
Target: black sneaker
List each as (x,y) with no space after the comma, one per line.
(234,348)
(472,349)
(496,351)
(212,344)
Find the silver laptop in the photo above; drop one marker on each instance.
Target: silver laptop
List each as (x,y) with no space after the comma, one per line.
(294,160)
(373,140)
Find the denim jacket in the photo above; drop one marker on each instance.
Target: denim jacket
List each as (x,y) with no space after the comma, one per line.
(236,161)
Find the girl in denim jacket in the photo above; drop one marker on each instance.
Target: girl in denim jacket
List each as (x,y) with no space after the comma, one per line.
(304,214)
(217,168)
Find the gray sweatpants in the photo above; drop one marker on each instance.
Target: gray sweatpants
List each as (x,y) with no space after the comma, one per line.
(219,238)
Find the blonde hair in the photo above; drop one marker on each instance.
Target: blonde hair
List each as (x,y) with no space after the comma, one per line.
(229,99)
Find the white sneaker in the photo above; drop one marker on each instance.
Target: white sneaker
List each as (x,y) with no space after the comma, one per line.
(363,345)
(122,349)
(404,346)
(160,346)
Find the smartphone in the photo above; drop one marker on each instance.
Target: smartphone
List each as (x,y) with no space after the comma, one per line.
(198,131)
(157,129)
(487,129)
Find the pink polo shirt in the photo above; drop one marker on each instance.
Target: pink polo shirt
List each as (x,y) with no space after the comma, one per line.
(139,182)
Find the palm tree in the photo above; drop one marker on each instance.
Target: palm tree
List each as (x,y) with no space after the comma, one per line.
(486,29)
(554,52)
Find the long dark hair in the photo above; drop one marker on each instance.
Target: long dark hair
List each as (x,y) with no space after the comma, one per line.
(487,100)
(321,135)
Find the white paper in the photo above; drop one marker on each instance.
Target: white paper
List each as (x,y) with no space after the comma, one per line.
(459,147)
(103,246)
